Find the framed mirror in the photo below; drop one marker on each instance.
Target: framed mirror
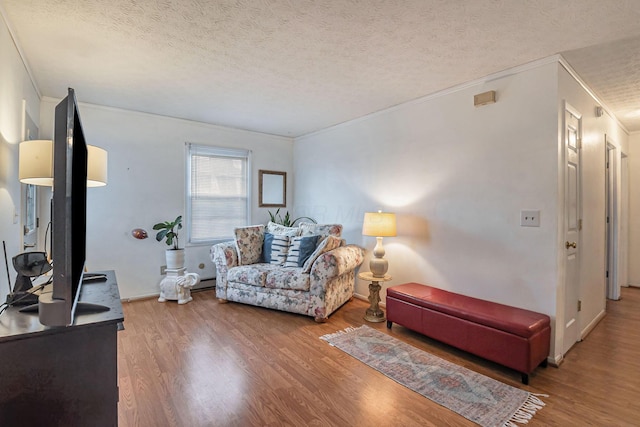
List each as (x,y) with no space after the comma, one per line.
(272,189)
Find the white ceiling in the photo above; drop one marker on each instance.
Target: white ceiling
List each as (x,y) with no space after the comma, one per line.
(291,67)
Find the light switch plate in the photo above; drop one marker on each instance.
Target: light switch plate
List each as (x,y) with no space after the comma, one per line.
(530,218)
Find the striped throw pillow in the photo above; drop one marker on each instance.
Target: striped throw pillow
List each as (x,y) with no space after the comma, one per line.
(279,250)
(300,250)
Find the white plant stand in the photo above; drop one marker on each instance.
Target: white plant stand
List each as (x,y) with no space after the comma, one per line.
(177,285)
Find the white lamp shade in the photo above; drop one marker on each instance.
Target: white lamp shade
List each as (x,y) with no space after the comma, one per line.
(35,165)
(379,224)
(96,166)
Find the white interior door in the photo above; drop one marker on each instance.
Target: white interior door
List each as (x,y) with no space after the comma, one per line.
(572,135)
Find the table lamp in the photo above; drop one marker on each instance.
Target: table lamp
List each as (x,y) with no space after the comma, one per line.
(96,166)
(35,164)
(379,224)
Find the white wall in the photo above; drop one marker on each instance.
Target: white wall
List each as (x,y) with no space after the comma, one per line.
(147,185)
(457,176)
(15,86)
(634,209)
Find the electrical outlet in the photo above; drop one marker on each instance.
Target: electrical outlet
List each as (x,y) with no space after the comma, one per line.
(530,218)
(163,269)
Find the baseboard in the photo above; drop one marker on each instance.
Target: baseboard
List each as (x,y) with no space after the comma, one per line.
(592,325)
(204,285)
(366,298)
(361,297)
(203,288)
(140,297)
(555,361)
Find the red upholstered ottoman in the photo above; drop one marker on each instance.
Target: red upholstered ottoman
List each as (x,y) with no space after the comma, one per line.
(510,336)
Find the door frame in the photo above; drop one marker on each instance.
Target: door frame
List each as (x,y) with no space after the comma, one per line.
(623,241)
(612,219)
(616,175)
(29,206)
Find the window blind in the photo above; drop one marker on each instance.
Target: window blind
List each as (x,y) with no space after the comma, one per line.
(217,192)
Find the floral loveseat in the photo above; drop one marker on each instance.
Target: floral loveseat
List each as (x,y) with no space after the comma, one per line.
(306,269)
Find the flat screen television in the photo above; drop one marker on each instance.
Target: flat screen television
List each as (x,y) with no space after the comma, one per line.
(69,211)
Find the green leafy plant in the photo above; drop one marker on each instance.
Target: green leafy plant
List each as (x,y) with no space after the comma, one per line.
(286,219)
(169,231)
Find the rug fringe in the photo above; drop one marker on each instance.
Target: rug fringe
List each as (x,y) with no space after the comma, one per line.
(333,335)
(527,410)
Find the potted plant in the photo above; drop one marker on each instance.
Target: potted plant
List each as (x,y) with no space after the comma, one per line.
(286,219)
(168,231)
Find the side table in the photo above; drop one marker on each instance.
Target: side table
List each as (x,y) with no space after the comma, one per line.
(374,313)
(177,285)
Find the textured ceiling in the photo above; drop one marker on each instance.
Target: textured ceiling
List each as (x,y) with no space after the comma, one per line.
(290,67)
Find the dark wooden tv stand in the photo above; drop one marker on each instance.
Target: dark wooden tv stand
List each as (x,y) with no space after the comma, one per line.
(62,376)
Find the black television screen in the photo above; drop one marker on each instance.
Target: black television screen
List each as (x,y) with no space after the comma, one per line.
(68,217)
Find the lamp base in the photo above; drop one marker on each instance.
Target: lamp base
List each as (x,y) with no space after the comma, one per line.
(378,267)
(374,313)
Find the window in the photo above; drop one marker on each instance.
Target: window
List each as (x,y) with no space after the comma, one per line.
(217,192)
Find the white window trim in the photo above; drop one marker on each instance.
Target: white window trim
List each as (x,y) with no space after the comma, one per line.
(217,151)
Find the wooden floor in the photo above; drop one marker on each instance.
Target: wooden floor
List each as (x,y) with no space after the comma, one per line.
(211,364)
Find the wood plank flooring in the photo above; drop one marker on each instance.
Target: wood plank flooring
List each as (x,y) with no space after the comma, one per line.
(212,364)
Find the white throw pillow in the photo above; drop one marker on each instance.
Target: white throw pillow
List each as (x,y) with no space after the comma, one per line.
(281,230)
(311,229)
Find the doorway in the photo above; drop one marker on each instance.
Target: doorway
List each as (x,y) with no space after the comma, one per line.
(29,217)
(616,226)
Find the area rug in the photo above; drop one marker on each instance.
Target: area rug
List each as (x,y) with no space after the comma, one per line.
(476,397)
